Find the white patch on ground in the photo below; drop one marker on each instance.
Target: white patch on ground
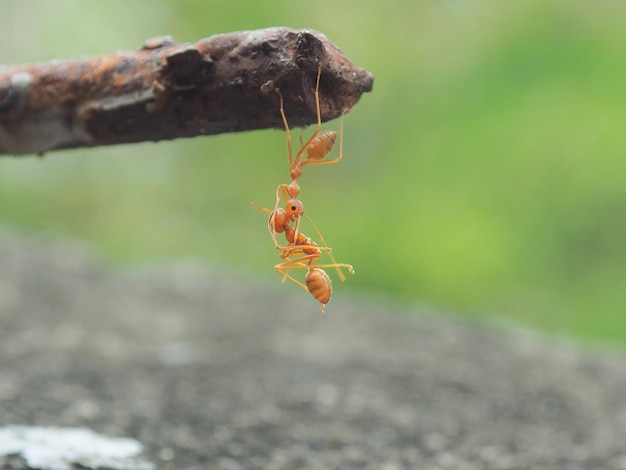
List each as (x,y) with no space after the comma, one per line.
(62,448)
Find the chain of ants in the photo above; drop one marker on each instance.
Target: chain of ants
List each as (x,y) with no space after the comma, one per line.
(300,252)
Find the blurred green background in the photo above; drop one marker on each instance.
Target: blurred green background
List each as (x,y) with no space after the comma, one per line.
(486,173)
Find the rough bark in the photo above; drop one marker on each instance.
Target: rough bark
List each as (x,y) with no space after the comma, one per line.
(166,90)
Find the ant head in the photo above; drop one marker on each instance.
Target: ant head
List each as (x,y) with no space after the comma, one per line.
(294,209)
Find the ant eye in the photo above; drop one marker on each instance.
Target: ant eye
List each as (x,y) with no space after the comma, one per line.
(294,207)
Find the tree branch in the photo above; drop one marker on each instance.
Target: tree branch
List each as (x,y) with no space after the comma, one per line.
(166,90)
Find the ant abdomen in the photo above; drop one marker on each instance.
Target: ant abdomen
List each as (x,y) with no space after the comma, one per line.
(321,145)
(319,285)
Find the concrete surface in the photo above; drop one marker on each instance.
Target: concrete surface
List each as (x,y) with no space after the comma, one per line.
(208,369)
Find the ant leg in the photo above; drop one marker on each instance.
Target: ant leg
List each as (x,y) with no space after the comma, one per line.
(317,97)
(296,231)
(259,208)
(283,269)
(340,273)
(290,250)
(287,131)
(308,262)
(283,188)
(349,267)
(292,279)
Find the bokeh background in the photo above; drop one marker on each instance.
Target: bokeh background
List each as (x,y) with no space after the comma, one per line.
(485,175)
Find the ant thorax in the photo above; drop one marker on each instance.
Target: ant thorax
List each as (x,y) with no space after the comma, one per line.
(293,188)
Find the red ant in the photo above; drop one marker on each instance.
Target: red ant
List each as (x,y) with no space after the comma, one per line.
(300,252)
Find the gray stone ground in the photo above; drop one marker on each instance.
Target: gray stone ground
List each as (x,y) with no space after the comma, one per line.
(207,369)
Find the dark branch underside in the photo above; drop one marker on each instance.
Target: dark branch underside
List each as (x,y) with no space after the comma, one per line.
(166,90)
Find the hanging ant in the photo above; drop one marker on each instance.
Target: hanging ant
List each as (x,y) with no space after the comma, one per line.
(300,252)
